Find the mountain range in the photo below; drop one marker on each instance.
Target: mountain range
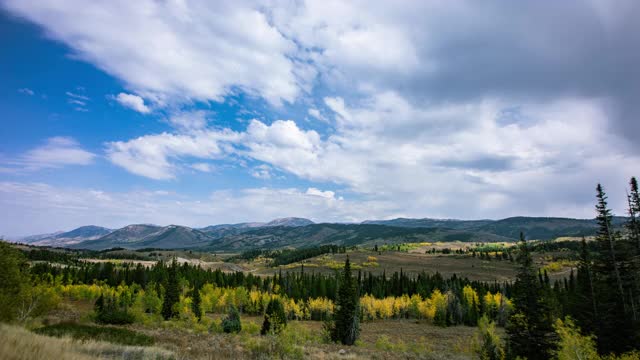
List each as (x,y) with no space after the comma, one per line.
(300,232)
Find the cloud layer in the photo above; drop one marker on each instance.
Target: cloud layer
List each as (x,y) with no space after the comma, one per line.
(441,109)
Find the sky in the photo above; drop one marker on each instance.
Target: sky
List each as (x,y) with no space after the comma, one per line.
(199,112)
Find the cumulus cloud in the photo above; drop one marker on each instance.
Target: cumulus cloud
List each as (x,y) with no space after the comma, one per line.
(176,50)
(156,156)
(133,102)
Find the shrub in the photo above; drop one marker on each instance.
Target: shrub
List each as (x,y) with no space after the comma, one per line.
(275,319)
(231,323)
(572,344)
(487,344)
(109,311)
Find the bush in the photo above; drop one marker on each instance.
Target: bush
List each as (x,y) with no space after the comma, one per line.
(275,319)
(231,323)
(87,332)
(572,344)
(487,344)
(109,311)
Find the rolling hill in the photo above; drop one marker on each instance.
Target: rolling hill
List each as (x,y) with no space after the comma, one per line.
(343,234)
(299,232)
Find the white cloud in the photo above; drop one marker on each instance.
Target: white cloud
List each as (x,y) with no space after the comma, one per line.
(133,102)
(55,153)
(167,51)
(203,167)
(189,120)
(156,156)
(262,172)
(26,91)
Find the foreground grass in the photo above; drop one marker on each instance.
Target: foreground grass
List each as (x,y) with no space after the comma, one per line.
(98,333)
(17,343)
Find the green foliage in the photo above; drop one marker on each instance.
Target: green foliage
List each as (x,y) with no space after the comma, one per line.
(487,344)
(172,292)
(196,303)
(14,281)
(275,319)
(110,309)
(231,323)
(346,327)
(572,344)
(99,333)
(530,327)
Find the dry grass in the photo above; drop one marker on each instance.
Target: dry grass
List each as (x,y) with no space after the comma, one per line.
(413,264)
(17,343)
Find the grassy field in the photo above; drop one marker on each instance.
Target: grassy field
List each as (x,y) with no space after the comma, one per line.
(381,339)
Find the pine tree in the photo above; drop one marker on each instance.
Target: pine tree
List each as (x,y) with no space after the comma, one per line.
(583,302)
(346,327)
(614,328)
(172,292)
(530,326)
(275,319)
(634,213)
(195,302)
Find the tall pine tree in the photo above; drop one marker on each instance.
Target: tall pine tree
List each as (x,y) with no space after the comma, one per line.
(614,326)
(530,327)
(172,292)
(196,302)
(346,327)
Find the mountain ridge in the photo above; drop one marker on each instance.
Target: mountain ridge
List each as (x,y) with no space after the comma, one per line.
(301,232)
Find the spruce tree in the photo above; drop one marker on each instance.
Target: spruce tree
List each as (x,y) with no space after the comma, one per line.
(195,302)
(346,327)
(583,301)
(172,292)
(275,319)
(530,327)
(614,329)
(633,225)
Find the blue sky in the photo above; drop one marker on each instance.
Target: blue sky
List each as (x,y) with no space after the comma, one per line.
(195,113)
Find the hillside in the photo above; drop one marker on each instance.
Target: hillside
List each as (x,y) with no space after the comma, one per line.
(344,234)
(430,223)
(60,239)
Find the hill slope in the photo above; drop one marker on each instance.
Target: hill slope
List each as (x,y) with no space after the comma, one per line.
(343,234)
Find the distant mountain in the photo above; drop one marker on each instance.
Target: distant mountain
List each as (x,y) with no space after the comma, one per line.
(343,234)
(430,223)
(545,228)
(149,236)
(222,230)
(300,232)
(61,239)
(536,228)
(34,238)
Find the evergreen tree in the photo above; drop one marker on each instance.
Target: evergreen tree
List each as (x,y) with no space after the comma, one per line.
(346,327)
(172,292)
(231,323)
(196,302)
(634,213)
(614,328)
(583,301)
(275,319)
(14,280)
(530,326)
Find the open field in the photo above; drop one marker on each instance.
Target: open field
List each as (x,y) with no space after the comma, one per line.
(380,339)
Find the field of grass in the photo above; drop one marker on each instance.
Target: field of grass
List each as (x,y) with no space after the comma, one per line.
(17,343)
(99,333)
